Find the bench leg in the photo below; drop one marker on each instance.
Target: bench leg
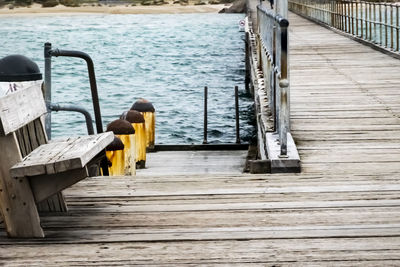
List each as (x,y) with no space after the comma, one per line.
(19,210)
(17,204)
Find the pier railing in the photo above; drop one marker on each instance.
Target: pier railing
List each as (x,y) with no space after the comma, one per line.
(374,22)
(273,62)
(267,78)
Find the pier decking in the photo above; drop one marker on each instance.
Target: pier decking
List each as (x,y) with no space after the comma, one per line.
(343,209)
(194,162)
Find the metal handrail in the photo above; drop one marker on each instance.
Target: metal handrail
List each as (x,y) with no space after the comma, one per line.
(48,54)
(75,108)
(273,61)
(374,22)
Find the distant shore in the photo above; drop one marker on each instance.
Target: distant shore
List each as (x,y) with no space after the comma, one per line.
(37,9)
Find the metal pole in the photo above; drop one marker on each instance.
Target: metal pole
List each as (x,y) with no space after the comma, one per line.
(397,28)
(247,63)
(92,80)
(352,18)
(237,114)
(391,27)
(281,8)
(380,24)
(205,114)
(284,112)
(386,25)
(370,22)
(88,118)
(47,87)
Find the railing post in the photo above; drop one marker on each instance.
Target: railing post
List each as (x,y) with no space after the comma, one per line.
(386,25)
(370,22)
(391,27)
(380,25)
(397,28)
(352,17)
(282,8)
(205,114)
(237,114)
(47,87)
(284,112)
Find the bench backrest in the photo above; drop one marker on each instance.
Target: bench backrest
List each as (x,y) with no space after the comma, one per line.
(20,108)
(21,115)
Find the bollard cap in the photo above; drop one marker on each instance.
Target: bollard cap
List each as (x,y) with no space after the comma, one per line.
(18,68)
(120,127)
(133,116)
(143,105)
(116,144)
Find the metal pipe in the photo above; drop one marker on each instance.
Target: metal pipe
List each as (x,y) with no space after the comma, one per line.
(88,117)
(47,87)
(370,22)
(352,18)
(380,25)
(237,114)
(357,19)
(92,79)
(391,27)
(375,31)
(205,114)
(284,112)
(345,17)
(397,28)
(247,63)
(362,19)
(386,26)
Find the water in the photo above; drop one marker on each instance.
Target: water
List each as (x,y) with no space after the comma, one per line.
(167,59)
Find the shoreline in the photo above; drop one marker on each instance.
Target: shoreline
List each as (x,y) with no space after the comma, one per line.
(36,10)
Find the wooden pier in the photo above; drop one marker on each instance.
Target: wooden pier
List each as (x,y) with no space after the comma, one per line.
(343,209)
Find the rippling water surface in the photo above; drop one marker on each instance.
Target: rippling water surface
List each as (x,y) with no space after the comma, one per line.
(167,59)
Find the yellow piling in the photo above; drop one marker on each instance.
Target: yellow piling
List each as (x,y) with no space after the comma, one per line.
(138,123)
(147,109)
(123,161)
(115,156)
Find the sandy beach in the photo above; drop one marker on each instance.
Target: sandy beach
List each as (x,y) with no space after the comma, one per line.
(37,9)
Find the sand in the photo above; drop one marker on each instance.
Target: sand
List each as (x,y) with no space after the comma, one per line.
(37,9)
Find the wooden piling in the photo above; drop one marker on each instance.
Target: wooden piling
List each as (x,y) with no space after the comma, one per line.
(114,153)
(148,111)
(138,122)
(123,161)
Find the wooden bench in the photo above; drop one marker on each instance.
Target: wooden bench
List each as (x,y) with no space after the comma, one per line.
(33,172)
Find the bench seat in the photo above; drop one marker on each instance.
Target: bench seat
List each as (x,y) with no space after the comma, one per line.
(60,156)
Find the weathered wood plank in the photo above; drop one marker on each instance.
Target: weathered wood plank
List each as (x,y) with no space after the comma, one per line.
(55,157)
(13,117)
(194,162)
(16,200)
(351,252)
(44,186)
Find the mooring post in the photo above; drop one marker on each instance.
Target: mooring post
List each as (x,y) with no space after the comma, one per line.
(237,114)
(205,114)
